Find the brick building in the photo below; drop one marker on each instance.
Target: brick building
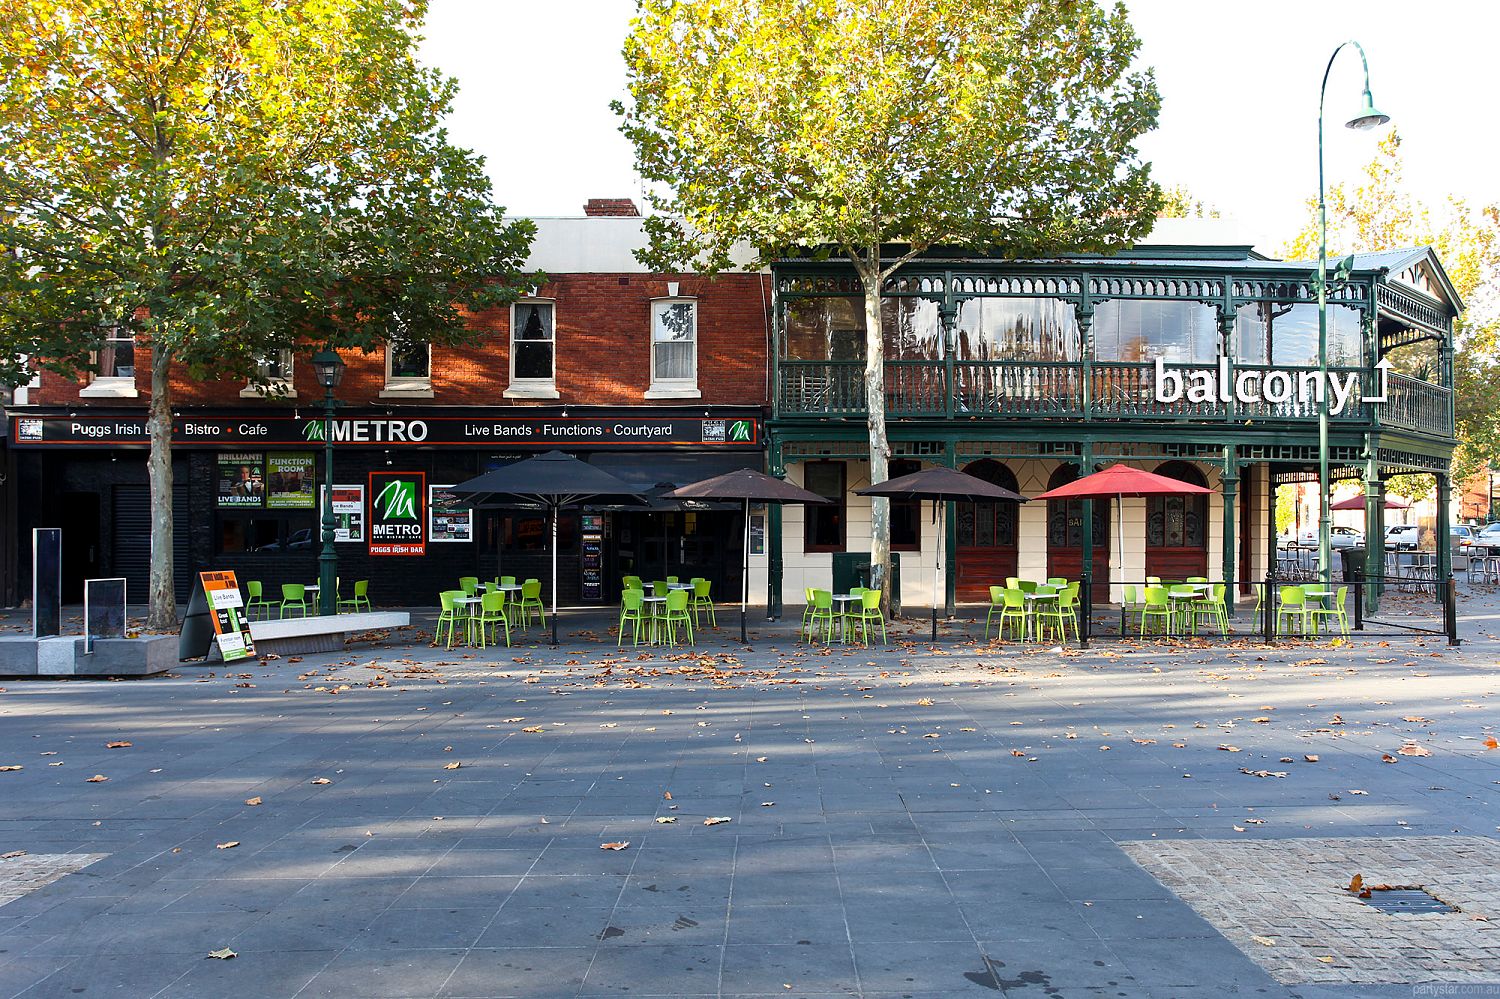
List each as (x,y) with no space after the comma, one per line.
(661,378)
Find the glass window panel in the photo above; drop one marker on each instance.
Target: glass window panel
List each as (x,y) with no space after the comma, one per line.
(1016,329)
(1135,331)
(534,360)
(674,361)
(911,329)
(906,515)
(824,523)
(117,357)
(533,341)
(1287,335)
(674,322)
(410,360)
(824,329)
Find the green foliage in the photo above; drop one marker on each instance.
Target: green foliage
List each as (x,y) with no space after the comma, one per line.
(851,124)
(1286,509)
(227,178)
(1177,202)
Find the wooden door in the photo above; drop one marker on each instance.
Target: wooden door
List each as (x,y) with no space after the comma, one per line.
(1177,528)
(985,537)
(1065,536)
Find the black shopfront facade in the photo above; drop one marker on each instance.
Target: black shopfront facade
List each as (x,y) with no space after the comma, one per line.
(248,488)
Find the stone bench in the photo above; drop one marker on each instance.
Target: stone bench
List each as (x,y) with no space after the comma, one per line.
(64,656)
(321,633)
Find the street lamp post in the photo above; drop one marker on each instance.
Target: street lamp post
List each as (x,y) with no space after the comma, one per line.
(1367,118)
(330,371)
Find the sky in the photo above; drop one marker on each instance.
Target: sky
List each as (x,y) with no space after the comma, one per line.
(1239,84)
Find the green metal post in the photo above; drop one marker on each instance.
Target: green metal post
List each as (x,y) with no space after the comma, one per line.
(1374,530)
(1444,534)
(776,467)
(328,561)
(1231,483)
(950,541)
(1086,464)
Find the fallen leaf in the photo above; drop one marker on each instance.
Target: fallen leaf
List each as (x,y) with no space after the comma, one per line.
(1311,758)
(1387,758)
(10,768)
(667,795)
(452,766)
(1412,749)
(253,801)
(117,745)
(1016,752)
(614,846)
(97,779)
(533,729)
(1230,749)
(223,954)
(1359,792)
(1356,883)
(12,855)
(665,819)
(1264,773)
(230,845)
(1491,743)
(321,780)
(716,820)
(1264,941)
(925,702)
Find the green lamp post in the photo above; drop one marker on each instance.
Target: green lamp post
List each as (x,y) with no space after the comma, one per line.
(330,371)
(1368,117)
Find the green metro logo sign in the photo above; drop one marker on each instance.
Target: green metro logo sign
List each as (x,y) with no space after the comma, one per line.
(397,513)
(741,430)
(314,431)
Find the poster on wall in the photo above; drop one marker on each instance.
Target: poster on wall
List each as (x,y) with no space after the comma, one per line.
(231,625)
(349,508)
(241,480)
(290,481)
(396,513)
(450,518)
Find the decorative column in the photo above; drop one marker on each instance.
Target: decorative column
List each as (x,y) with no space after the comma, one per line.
(950,541)
(776,465)
(1374,528)
(1085,465)
(1231,563)
(1444,535)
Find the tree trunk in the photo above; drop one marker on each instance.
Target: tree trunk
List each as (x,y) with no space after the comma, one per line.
(162,615)
(880,448)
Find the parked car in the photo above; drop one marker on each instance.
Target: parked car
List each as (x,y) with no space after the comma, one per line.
(1402,537)
(1339,537)
(1464,538)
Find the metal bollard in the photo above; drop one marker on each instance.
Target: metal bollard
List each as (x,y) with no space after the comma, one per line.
(1085,610)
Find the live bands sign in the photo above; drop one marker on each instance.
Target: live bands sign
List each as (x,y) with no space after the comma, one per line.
(625,431)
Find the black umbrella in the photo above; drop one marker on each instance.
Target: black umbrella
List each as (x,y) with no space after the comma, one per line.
(745,484)
(940,483)
(552,480)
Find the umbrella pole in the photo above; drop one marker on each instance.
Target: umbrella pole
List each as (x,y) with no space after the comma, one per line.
(745,575)
(938,512)
(554,576)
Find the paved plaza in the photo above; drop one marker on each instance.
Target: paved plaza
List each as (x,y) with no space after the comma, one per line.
(1157,820)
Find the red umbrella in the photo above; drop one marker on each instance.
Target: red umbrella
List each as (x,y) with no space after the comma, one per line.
(1357,502)
(1120,481)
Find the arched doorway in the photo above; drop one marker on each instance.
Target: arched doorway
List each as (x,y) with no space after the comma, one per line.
(986,536)
(1177,527)
(1065,535)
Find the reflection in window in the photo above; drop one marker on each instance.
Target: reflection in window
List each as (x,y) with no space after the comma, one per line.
(824,329)
(532,341)
(1136,331)
(911,329)
(1017,329)
(117,356)
(906,515)
(823,523)
(674,336)
(1286,335)
(409,360)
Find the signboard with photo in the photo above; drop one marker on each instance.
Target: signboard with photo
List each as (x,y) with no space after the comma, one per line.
(290,480)
(349,508)
(241,480)
(450,518)
(396,513)
(226,606)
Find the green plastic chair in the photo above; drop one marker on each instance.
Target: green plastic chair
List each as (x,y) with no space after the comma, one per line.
(1129,603)
(1156,605)
(293,595)
(672,579)
(1153,580)
(677,613)
(703,602)
(449,615)
(1062,612)
(1058,581)
(1214,609)
(1196,579)
(1026,585)
(1184,599)
(997,603)
(361,596)
(631,583)
(821,616)
(1012,582)
(469,584)
(492,615)
(531,600)
(868,610)
(1014,599)
(630,610)
(256,593)
(659,588)
(807,606)
(1292,603)
(1318,613)
(507,581)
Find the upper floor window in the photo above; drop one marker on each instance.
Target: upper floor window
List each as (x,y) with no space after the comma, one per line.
(674,349)
(533,350)
(408,370)
(273,376)
(1016,329)
(1142,331)
(1287,334)
(114,365)
(824,329)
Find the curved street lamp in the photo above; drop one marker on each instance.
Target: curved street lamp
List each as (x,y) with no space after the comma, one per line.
(1368,117)
(329,368)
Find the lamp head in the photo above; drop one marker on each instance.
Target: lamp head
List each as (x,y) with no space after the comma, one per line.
(329,367)
(1368,117)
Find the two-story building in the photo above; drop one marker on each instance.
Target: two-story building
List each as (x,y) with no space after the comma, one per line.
(1194,360)
(660,378)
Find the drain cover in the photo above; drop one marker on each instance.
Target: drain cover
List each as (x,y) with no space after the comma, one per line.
(1406,902)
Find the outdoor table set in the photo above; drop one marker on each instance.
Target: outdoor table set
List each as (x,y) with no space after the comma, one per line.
(299,597)
(1304,610)
(852,616)
(1034,609)
(482,610)
(1175,608)
(662,610)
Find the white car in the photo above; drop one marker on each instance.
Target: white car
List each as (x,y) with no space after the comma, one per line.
(1402,537)
(1339,537)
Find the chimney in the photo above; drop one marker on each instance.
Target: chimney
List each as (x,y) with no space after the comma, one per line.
(616,207)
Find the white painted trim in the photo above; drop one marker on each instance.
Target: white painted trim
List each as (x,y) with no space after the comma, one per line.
(672,388)
(109,388)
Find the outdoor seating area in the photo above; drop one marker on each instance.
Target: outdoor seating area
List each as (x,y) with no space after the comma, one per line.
(1191,606)
(1025,610)
(665,611)
(301,599)
(843,617)
(477,613)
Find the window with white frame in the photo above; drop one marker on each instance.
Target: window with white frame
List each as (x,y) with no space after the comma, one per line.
(114,364)
(273,376)
(408,368)
(533,349)
(674,347)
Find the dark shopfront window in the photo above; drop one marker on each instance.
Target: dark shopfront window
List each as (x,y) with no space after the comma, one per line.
(530,532)
(267,533)
(906,515)
(824,524)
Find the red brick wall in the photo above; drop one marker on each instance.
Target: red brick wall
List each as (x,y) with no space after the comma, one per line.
(603,352)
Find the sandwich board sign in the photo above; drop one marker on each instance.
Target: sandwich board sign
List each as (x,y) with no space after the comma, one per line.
(226,609)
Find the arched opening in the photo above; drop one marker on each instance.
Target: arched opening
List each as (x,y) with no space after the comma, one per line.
(1065,535)
(986,535)
(1177,527)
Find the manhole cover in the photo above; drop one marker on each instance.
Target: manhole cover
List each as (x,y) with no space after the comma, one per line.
(1406,902)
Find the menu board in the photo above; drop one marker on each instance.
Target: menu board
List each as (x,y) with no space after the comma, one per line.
(226,607)
(349,508)
(241,480)
(450,517)
(290,480)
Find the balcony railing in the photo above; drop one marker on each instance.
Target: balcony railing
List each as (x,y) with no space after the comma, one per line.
(1413,404)
(1117,391)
